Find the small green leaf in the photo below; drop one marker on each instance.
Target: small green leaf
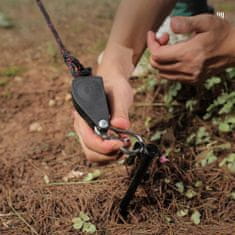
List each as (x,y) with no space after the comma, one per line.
(167,180)
(230,72)
(190,193)
(84,217)
(157,135)
(180,187)
(71,134)
(224,127)
(46,179)
(228,107)
(202,136)
(92,176)
(210,83)
(198,184)
(77,223)
(229,163)
(230,119)
(168,219)
(208,158)
(196,217)
(172,92)
(190,104)
(182,213)
(231,167)
(5,22)
(89,228)
(191,138)
(232,195)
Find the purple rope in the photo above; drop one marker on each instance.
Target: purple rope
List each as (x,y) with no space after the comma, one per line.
(74,65)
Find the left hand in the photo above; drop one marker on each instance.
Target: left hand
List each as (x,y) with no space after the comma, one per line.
(211,48)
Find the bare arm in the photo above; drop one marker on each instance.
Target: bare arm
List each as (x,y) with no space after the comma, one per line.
(209,51)
(127,40)
(125,46)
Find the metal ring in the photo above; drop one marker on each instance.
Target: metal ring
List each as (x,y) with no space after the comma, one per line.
(120,131)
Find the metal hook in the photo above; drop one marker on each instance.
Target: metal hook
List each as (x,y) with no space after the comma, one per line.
(118,131)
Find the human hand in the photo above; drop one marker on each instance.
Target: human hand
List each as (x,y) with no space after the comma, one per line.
(210,49)
(120,95)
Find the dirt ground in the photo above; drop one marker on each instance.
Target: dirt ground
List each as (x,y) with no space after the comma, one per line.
(37,142)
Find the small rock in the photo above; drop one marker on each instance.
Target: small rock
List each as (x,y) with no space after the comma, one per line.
(35,127)
(59,101)
(51,103)
(18,79)
(73,174)
(68,97)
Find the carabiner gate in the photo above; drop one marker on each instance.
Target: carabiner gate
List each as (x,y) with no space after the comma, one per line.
(118,132)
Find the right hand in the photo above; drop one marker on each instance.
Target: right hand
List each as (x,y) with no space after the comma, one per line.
(120,95)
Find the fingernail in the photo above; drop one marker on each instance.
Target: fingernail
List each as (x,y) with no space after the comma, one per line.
(126,140)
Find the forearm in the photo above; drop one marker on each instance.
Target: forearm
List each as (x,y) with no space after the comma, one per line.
(231,46)
(128,36)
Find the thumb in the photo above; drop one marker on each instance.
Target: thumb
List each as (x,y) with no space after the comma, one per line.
(152,43)
(120,117)
(120,114)
(198,24)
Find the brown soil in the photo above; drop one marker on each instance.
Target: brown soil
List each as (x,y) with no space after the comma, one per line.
(28,205)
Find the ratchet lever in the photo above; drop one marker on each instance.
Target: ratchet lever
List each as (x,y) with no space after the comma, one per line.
(90,102)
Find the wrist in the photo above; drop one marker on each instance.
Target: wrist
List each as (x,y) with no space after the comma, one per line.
(116,62)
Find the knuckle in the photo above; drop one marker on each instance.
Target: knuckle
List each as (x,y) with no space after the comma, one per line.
(153,63)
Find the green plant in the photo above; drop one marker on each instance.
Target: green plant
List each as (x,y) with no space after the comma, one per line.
(230,72)
(83,223)
(92,176)
(229,162)
(157,136)
(149,84)
(190,104)
(212,82)
(196,217)
(227,124)
(11,71)
(224,104)
(172,93)
(207,158)
(200,137)
(5,21)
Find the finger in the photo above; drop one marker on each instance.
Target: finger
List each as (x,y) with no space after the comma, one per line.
(181,77)
(170,53)
(200,23)
(96,157)
(119,110)
(92,141)
(152,43)
(164,39)
(174,67)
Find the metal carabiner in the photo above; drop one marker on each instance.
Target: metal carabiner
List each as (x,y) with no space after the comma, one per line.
(106,136)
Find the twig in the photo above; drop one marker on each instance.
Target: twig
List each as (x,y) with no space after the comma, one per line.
(7,215)
(150,104)
(20,217)
(153,105)
(79,182)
